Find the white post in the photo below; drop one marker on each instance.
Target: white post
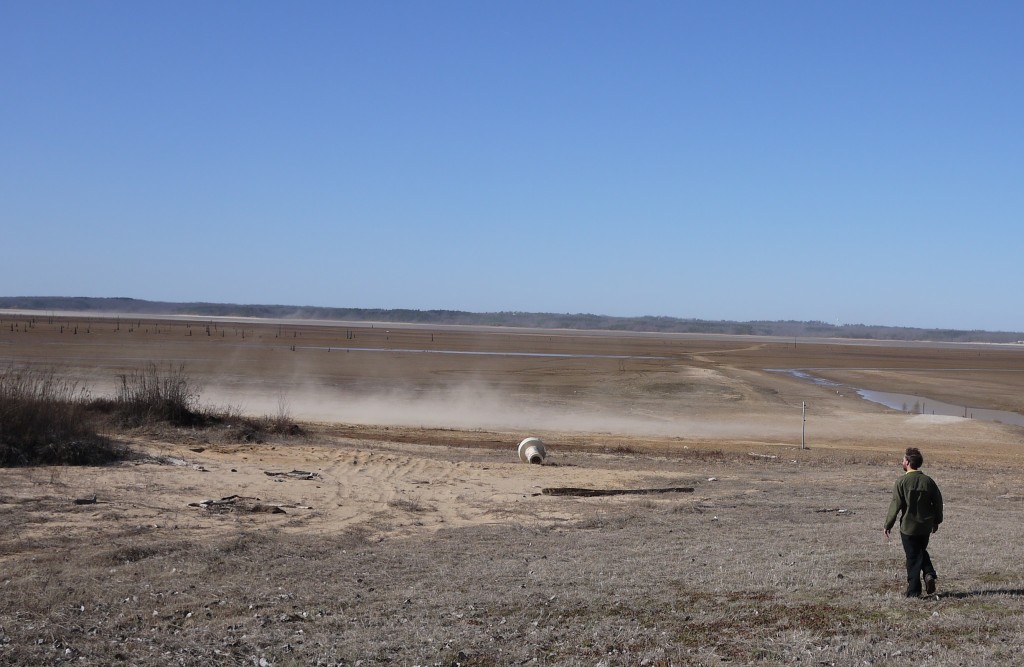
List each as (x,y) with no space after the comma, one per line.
(803,428)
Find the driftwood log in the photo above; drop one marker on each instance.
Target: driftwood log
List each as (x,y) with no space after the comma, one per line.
(572,491)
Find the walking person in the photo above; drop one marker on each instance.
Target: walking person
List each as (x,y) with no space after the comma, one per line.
(917,498)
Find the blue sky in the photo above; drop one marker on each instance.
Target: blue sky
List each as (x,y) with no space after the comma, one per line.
(852,162)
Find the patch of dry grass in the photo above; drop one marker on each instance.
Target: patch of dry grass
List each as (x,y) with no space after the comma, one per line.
(43,419)
(766,571)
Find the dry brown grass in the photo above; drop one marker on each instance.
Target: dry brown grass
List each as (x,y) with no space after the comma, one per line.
(44,419)
(758,566)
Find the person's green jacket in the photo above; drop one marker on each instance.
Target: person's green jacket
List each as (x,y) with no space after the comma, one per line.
(917,496)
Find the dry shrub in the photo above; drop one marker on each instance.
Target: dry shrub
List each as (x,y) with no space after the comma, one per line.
(258,429)
(244,428)
(43,419)
(621,449)
(132,553)
(413,506)
(159,395)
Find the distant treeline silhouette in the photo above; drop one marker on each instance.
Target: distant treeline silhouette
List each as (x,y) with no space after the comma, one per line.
(649,323)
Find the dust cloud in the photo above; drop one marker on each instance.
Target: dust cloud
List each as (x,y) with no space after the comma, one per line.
(473,407)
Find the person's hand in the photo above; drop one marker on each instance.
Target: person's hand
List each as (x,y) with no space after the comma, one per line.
(935,528)
(886,530)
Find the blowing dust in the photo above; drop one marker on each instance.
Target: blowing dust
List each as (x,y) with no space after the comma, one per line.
(474,407)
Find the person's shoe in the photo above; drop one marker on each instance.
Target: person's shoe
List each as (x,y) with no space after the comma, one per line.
(929,584)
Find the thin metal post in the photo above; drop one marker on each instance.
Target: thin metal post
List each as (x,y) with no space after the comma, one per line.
(803,427)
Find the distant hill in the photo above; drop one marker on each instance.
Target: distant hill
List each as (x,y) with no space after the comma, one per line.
(508,319)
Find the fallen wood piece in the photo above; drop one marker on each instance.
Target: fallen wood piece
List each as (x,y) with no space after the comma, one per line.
(86,501)
(572,491)
(294,474)
(223,502)
(267,509)
(763,456)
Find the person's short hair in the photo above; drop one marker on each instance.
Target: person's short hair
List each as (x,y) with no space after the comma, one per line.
(914,457)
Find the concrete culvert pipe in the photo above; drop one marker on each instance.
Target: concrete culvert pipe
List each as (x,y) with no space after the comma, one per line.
(531,450)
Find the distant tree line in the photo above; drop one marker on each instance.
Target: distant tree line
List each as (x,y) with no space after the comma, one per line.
(649,323)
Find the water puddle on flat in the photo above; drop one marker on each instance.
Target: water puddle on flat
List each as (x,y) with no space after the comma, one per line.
(915,405)
(919,405)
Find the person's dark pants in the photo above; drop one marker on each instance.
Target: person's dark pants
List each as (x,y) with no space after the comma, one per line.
(918,561)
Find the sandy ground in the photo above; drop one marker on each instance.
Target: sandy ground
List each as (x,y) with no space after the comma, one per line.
(415,428)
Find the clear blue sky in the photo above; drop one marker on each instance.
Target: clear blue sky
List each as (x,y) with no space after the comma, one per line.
(852,162)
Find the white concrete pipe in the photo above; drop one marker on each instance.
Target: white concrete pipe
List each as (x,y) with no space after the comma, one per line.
(531,450)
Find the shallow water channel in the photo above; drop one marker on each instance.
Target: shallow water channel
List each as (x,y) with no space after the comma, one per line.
(916,405)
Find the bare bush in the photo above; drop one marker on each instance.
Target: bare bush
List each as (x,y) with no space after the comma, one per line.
(43,419)
(258,429)
(413,506)
(154,395)
(282,421)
